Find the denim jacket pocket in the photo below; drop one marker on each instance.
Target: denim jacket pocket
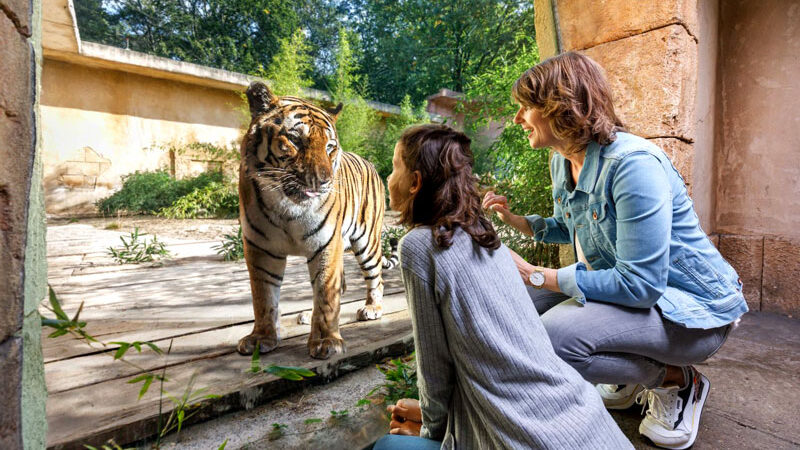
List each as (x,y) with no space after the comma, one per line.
(698,273)
(603,230)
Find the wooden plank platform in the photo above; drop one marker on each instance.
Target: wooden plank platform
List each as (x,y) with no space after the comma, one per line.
(202,306)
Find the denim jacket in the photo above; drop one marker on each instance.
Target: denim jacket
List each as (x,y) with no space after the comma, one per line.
(638,230)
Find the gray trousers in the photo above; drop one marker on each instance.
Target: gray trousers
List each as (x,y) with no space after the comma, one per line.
(615,344)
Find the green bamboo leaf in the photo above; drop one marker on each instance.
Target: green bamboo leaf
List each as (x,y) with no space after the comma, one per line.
(139,378)
(56,305)
(154,347)
(58,333)
(222,447)
(180,420)
(147,382)
(310,421)
(138,346)
(122,349)
(255,361)
(78,313)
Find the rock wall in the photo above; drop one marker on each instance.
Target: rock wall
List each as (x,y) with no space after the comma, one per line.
(22,263)
(713,83)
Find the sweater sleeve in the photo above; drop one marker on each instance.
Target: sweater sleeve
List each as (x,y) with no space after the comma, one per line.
(435,375)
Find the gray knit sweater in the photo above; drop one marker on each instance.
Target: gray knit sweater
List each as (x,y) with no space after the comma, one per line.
(487,374)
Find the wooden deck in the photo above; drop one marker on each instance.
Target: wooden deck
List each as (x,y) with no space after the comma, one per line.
(202,306)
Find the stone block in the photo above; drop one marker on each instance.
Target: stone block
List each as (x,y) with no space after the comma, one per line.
(18,12)
(654,79)
(11,393)
(781,274)
(17,137)
(680,153)
(545,28)
(714,238)
(587,23)
(745,254)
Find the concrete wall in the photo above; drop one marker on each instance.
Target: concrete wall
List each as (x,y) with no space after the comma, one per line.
(23,269)
(758,148)
(97,123)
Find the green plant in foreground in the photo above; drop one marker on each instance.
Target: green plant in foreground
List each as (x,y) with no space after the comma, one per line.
(285,372)
(231,248)
(135,251)
(401,380)
(340,414)
(278,430)
(388,234)
(190,399)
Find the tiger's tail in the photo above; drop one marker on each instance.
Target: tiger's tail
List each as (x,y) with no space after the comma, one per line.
(393,260)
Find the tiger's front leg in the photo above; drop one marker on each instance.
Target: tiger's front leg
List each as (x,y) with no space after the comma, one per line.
(266,274)
(326,270)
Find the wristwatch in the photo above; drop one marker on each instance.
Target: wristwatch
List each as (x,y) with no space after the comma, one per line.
(537,278)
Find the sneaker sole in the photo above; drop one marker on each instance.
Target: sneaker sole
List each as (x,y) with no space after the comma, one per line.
(698,410)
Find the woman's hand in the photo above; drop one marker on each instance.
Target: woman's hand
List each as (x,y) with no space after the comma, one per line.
(499,204)
(525,270)
(406,417)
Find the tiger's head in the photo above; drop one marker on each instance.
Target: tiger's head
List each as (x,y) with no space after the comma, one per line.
(291,145)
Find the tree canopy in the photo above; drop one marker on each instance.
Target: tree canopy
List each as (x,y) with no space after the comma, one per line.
(410,47)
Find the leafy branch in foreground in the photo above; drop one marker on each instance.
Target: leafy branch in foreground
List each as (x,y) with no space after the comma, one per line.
(190,399)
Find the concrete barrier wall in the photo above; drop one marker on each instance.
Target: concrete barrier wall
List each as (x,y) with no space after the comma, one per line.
(100,124)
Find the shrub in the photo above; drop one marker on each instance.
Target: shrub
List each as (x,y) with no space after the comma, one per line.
(231,248)
(212,200)
(149,192)
(136,251)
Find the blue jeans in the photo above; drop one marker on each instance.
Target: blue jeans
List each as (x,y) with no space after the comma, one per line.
(398,442)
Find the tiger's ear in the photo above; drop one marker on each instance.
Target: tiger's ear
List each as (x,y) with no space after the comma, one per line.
(260,98)
(334,112)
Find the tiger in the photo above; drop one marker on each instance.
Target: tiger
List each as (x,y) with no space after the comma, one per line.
(301,194)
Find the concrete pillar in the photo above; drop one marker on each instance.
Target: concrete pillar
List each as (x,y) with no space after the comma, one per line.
(23,270)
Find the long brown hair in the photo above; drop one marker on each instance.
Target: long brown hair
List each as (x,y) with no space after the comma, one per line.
(571,91)
(449,195)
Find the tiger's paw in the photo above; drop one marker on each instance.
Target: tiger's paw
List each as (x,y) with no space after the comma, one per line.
(325,348)
(304,318)
(369,312)
(265,344)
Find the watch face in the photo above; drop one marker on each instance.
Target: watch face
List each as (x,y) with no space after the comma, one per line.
(536,279)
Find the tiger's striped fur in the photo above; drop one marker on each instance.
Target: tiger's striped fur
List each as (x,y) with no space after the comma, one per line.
(301,194)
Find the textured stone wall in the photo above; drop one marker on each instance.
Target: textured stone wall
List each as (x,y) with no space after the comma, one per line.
(22,264)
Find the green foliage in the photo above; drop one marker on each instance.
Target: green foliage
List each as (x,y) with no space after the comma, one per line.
(418,47)
(184,406)
(340,414)
(236,35)
(509,166)
(382,141)
(213,200)
(389,234)
(357,118)
(278,430)
(285,372)
(232,247)
(109,445)
(401,380)
(288,71)
(149,192)
(312,420)
(135,251)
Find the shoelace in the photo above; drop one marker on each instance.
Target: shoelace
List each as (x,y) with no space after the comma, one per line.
(663,406)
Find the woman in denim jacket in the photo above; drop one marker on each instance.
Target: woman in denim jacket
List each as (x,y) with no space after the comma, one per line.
(650,295)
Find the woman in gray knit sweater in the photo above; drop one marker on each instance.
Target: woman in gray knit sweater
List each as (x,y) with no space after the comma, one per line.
(487,373)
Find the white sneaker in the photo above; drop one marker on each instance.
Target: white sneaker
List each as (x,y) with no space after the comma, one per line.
(674,415)
(618,396)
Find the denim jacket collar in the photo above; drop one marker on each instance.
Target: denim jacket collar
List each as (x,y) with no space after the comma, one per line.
(589,173)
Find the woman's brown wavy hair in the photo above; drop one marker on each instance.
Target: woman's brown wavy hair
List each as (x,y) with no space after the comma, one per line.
(572,92)
(448,197)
